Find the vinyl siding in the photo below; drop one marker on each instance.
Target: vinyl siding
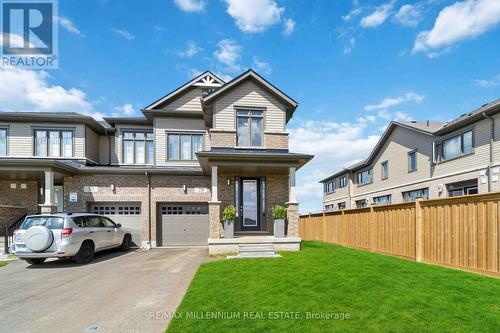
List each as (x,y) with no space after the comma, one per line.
(249,94)
(339,192)
(162,125)
(104,150)
(92,145)
(189,101)
(20,140)
(478,159)
(395,151)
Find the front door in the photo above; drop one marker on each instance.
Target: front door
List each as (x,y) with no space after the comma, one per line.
(249,206)
(59,198)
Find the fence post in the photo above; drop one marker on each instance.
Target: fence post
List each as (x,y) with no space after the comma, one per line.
(419,231)
(324,228)
(372,229)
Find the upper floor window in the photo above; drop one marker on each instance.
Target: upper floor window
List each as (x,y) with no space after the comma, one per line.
(412,161)
(53,143)
(3,142)
(343,181)
(456,146)
(385,169)
(250,128)
(365,177)
(413,195)
(137,147)
(183,146)
(330,186)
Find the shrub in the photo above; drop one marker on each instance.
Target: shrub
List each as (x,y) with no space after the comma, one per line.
(229,214)
(279,212)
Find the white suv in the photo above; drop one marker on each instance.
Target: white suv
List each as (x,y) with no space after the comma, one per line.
(67,235)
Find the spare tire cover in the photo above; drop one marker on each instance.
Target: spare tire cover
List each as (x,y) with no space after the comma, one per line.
(38,238)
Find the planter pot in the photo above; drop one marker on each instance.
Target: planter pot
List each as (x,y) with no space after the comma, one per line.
(279,228)
(228,229)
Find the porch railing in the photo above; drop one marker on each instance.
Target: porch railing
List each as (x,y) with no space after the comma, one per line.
(9,232)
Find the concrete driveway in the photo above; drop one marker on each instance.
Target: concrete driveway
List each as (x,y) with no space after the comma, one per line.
(117,292)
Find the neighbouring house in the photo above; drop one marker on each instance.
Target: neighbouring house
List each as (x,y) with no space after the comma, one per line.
(423,159)
(166,175)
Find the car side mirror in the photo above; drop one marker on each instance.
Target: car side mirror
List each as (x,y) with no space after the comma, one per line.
(118,225)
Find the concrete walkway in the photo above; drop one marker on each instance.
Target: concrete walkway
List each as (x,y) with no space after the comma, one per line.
(117,292)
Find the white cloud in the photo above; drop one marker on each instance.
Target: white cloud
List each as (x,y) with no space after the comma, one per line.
(229,54)
(323,139)
(379,16)
(126,110)
(27,90)
(191,5)
(191,50)
(124,33)
(461,20)
(262,66)
(393,101)
(15,40)
(408,15)
(350,46)
(483,83)
(402,116)
(353,13)
(67,24)
(256,15)
(289,27)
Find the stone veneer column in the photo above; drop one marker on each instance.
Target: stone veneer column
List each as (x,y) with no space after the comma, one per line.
(292,215)
(214,212)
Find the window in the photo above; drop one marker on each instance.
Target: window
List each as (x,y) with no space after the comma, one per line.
(343,181)
(93,222)
(53,143)
(137,147)
(365,177)
(361,203)
(412,161)
(249,125)
(187,209)
(108,223)
(113,209)
(413,195)
(382,200)
(183,146)
(329,208)
(342,205)
(330,186)
(3,142)
(46,221)
(385,170)
(462,188)
(454,147)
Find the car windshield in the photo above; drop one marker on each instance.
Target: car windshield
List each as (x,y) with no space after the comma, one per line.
(50,222)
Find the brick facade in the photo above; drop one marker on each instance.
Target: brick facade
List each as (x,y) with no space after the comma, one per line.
(292,216)
(27,198)
(9,215)
(222,138)
(276,140)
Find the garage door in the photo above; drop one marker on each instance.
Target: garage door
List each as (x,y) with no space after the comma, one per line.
(184,224)
(127,214)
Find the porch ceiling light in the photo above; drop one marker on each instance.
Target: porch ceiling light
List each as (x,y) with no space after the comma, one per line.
(228,181)
(184,188)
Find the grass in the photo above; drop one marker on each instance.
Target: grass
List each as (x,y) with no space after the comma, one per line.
(3,263)
(379,293)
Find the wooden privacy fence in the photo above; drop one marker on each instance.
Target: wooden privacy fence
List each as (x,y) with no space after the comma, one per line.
(462,232)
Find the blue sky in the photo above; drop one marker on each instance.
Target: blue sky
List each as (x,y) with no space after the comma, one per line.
(352,65)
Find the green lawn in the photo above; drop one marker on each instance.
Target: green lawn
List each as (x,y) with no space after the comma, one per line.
(3,263)
(380,293)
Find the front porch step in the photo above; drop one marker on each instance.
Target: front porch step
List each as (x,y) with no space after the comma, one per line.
(256,251)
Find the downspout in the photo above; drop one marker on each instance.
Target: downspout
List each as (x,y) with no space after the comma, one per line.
(109,145)
(148,177)
(492,137)
(349,191)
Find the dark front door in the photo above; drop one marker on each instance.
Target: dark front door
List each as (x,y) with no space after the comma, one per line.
(249,206)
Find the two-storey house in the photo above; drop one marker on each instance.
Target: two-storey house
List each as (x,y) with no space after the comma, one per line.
(423,159)
(166,175)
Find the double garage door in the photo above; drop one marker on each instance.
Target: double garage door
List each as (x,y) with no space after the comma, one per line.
(129,215)
(183,224)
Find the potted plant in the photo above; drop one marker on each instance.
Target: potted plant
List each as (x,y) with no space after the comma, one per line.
(228,217)
(279,213)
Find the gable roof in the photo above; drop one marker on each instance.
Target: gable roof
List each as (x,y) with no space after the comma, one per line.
(251,74)
(206,79)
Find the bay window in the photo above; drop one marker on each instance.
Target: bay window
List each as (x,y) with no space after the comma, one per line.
(138,147)
(53,143)
(183,146)
(249,128)
(456,146)
(3,142)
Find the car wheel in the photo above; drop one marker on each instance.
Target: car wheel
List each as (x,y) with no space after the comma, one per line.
(125,246)
(35,261)
(85,254)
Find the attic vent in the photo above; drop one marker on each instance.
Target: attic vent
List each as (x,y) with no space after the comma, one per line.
(463,114)
(413,121)
(486,104)
(469,114)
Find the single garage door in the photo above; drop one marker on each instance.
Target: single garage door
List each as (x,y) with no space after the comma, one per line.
(127,214)
(184,224)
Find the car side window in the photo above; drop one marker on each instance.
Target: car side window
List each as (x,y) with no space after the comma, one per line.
(94,222)
(79,221)
(108,223)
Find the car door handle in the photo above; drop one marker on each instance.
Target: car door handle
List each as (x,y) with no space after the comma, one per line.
(91,232)
(109,230)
